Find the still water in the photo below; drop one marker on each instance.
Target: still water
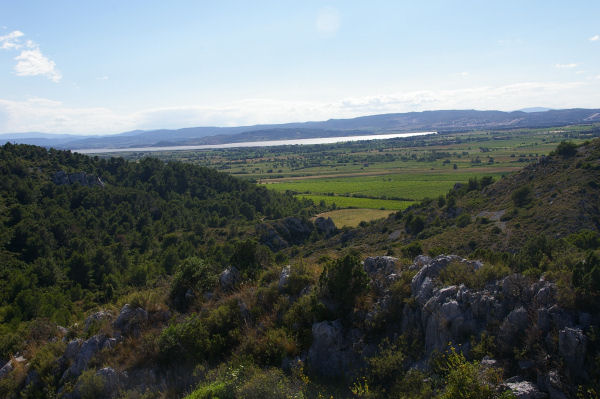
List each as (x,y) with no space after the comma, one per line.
(271,143)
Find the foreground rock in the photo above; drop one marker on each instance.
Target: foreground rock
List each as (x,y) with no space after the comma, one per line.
(131,320)
(229,278)
(79,353)
(439,316)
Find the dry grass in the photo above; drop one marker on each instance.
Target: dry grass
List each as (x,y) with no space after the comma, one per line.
(353,217)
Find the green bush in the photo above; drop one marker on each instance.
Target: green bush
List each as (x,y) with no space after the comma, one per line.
(463,220)
(343,281)
(468,380)
(192,274)
(207,337)
(522,196)
(457,273)
(566,149)
(91,385)
(249,257)
(412,250)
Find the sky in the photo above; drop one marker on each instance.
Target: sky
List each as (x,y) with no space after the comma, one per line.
(102,67)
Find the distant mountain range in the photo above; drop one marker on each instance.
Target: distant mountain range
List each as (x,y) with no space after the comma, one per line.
(441,121)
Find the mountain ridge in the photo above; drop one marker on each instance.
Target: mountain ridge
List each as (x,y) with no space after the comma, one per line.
(440,120)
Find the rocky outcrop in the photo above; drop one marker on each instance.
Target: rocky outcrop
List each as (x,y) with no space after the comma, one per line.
(96,319)
(510,310)
(10,366)
(229,278)
(79,353)
(292,231)
(522,389)
(331,353)
(572,344)
(284,278)
(325,226)
(81,178)
(131,320)
(382,271)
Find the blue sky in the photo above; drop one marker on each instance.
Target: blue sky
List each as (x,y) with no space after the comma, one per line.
(110,66)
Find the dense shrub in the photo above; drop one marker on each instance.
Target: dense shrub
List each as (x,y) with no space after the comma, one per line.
(342,282)
(468,380)
(208,336)
(463,220)
(457,273)
(194,275)
(412,250)
(522,196)
(566,149)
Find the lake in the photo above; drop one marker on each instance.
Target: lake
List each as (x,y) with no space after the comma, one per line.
(271,143)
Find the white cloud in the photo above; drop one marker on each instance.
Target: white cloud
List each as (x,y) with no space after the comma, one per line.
(11,41)
(102,77)
(595,38)
(328,21)
(565,66)
(31,61)
(45,115)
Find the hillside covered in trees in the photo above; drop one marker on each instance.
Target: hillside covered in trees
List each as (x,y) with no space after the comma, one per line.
(76,230)
(153,280)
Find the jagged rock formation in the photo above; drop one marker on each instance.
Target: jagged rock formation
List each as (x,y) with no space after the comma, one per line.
(511,310)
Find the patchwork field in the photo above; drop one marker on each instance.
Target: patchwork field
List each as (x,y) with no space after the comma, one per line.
(383,175)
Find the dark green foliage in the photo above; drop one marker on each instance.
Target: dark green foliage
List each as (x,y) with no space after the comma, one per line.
(585,239)
(412,250)
(522,196)
(566,149)
(457,273)
(343,281)
(249,257)
(463,220)
(194,275)
(202,337)
(415,224)
(468,380)
(65,243)
(586,280)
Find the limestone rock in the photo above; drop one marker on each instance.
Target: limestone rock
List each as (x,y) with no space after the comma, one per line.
(284,278)
(572,344)
(96,318)
(525,390)
(229,278)
(86,351)
(325,226)
(131,320)
(330,355)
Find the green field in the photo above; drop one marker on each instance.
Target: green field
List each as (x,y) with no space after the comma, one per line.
(353,202)
(411,186)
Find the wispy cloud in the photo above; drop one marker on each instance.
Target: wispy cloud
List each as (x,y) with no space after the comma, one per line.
(102,77)
(595,38)
(51,116)
(11,41)
(566,66)
(30,61)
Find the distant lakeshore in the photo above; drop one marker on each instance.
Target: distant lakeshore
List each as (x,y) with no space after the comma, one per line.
(270,143)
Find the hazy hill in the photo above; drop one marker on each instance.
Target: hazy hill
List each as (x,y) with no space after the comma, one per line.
(451,120)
